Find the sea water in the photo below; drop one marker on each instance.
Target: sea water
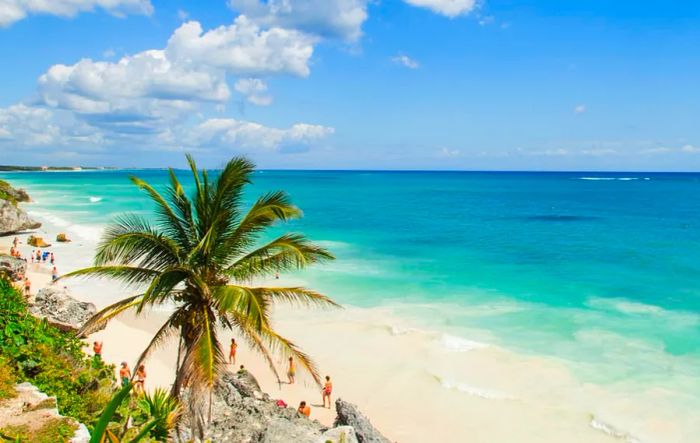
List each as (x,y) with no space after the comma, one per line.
(599,271)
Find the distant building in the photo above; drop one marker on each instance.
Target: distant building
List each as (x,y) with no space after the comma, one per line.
(44,168)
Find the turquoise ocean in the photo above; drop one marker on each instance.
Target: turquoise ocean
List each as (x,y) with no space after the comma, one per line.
(598,270)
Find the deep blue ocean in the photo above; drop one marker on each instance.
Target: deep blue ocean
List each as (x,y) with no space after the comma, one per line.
(599,269)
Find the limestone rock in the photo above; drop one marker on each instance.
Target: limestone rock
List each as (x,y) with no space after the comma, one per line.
(55,304)
(341,434)
(15,268)
(14,219)
(37,242)
(349,415)
(32,408)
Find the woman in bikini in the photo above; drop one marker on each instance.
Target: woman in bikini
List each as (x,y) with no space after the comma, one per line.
(291,372)
(124,374)
(327,391)
(232,352)
(139,385)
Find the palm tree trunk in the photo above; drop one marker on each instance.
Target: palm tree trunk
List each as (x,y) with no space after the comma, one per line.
(210,395)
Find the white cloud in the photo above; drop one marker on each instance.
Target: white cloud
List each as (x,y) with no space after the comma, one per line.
(12,11)
(239,134)
(449,153)
(690,149)
(327,18)
(29,126)
(163,84)
(580,109)
(405,61)
(449,8)
(182,14)
(486,20)
(254,90)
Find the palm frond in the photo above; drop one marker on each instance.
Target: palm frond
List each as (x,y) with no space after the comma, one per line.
(296,296)
(129,275)
(288,252)
(243,302)
(105,315)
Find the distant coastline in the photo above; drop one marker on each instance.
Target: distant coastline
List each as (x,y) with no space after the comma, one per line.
(11,168)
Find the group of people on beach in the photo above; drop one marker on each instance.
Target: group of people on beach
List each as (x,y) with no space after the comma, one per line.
(303,408)
(124,370)
(36,256)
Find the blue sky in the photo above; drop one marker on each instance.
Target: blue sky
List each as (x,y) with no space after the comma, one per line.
(348,84)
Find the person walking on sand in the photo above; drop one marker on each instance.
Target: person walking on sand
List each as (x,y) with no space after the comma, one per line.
(327,391)
(140,384)
(32,255)
(15,242)
(291,372)
(304,409)
(124,374)
(54,274)
(53,259)
(232,352)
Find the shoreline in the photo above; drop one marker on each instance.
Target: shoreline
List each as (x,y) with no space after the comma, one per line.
(395,373)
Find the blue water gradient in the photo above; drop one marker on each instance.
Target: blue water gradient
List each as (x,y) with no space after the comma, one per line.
(598,269)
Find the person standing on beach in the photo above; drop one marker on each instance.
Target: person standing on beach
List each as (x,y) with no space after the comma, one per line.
(124,374)
(232,352)
(54,274)
(304,409)
(32,255)
(327,391)
(27,286)
(15,242)
(291,372)
(53,259)
(140,384)
(97,349)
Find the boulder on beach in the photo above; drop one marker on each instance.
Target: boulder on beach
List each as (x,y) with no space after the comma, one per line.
(350,415)
(37,242)
(13,267)
(56,305)
(62,238)
(13,219)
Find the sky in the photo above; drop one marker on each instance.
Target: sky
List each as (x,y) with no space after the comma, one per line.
(352,84)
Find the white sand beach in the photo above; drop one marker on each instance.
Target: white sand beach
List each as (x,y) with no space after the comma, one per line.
(415,385)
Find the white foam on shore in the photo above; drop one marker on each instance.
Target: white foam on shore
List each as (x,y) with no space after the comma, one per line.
(614,178)
(85,232)
(453,343)
(486,394)
(95,199)
(612,431)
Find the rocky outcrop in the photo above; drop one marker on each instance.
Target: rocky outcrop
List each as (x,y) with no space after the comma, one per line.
(55,304)
(13,219)
(14,268)
(349,415)
(33,411)
(10,193)
(242,413)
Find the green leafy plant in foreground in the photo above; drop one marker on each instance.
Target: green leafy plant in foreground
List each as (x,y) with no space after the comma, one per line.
(52,360)
(200,256)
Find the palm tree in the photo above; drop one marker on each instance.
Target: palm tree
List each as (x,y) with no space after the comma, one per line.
(202,256)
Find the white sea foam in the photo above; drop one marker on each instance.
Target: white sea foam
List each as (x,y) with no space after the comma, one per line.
(452,343)
(86,232)
(401,330)
(95,199)
(486,394)
(612,431)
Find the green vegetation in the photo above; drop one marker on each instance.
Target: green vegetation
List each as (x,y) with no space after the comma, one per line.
(5,192)
(201,257)
(53,431)
(52,360)
(7,381)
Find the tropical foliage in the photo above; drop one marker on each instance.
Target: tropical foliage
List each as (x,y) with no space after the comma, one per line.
(202,254)
(34,351)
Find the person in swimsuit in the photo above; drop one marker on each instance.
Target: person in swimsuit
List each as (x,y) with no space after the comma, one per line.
(54,274)
(232,352)
(97,349)
(327,390)
(27,286)
(15,242)
(242,371)
(38,255)
(291,372)
(304,409)
(139,385)
(124,374)
(53,259)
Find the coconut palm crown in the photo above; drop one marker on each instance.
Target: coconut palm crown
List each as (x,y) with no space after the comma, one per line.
(201,256)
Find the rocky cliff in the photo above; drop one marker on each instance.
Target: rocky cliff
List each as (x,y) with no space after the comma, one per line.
(12,217)
(242,413)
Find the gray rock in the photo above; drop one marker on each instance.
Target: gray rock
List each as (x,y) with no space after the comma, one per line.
(341,434)
(349,415)
(13,267)
(13,219)
(55,304)
(282,430)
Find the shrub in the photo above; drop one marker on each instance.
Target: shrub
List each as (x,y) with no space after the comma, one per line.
(50,359)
